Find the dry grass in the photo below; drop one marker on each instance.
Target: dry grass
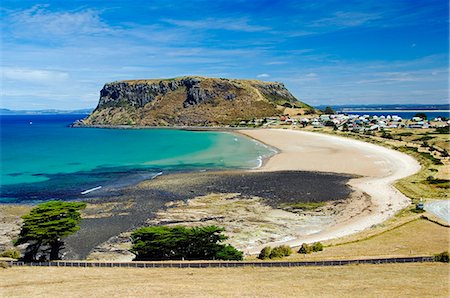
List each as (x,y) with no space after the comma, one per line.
(419,237)
(388,280)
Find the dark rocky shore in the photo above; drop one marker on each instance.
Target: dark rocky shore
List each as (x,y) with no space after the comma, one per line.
(108,216)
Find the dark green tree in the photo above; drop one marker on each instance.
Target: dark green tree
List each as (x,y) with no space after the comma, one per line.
(421,115)
(46,225)
(174,243)
(329,111)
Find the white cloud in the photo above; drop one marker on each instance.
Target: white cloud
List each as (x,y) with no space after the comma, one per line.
(39,76)
(37,21)
(263,75)
(347,19)
(240,24)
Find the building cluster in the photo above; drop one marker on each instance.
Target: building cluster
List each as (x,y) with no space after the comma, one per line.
(358,122)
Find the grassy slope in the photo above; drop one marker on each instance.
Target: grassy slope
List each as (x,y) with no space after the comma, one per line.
(417,237)
(389,280)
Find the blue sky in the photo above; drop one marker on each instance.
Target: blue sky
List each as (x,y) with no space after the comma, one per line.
(58,54)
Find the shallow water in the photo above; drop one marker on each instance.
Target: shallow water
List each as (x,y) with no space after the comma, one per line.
(42,158)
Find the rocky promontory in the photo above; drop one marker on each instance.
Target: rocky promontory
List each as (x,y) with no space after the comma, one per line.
(190,101)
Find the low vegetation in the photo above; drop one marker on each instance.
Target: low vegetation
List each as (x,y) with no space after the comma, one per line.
(182,243)
(442,257)
(275,253)
(306,248)
(11,253)
(305,206)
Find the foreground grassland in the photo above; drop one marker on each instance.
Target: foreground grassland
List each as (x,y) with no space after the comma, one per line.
(388,280)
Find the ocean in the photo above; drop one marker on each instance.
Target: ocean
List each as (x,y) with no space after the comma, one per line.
(405,114)
(42,158)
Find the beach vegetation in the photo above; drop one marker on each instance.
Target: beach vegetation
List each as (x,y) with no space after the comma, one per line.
(305,206)
(305,249)
(45,227)
(12,253)
(178,243)
(280,252)
(265,253)
(442,257)
(442,130)
(317,246)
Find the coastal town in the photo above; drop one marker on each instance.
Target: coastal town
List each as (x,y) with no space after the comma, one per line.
(351,122)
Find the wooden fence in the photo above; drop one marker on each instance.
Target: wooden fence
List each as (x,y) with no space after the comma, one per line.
(220,264)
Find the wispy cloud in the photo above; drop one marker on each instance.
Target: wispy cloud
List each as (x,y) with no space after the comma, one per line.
(239,24)
(38,21)
(263,75)
(346,19)
(37,76)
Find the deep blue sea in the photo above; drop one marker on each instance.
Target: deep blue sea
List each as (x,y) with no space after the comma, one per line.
(43,158)
(403,113)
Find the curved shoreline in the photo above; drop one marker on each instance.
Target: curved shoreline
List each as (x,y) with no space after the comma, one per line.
(378,168)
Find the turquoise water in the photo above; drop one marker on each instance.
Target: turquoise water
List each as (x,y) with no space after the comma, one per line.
(43,158)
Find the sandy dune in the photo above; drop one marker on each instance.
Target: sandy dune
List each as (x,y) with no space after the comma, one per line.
(379,167)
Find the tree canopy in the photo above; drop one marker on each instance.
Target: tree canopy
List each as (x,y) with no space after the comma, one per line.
(421,115)
(175,243)
(329,111)
(46,225)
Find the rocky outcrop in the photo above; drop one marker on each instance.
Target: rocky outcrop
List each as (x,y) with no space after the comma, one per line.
(188,101)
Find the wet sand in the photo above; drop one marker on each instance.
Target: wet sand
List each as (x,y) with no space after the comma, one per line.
(110,216)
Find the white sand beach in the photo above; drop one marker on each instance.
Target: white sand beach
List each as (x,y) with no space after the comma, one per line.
(378,167)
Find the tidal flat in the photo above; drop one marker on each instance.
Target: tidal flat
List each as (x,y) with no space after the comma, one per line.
(110,216)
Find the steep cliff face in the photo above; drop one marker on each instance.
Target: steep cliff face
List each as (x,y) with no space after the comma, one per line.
(188,101)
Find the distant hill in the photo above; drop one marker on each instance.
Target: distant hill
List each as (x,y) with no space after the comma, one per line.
(43,112)
(190,101)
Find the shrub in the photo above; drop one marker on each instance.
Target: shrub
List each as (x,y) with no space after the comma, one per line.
(11,253)
(442,257)
(4,265)
(175,243)
(285,249)
(317,246)
(305,249)
(265,253)
(229,253)
(276,253)
(280,251)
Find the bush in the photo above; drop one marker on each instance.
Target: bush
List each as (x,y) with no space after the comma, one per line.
(317,246)
(11,253)
(442,257)
(229,253)
(285,249)
(4,265)
(265,253)
(275,253)
(305,249)
(175,243)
